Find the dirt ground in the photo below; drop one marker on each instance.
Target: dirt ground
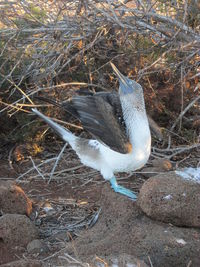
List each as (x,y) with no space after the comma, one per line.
(62,196)
(86,220)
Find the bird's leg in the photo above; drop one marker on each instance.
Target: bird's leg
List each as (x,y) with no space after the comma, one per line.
(122,190)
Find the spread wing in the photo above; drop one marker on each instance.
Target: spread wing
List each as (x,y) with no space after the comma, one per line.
(101,115)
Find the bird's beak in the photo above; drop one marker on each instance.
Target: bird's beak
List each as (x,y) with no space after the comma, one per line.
(121,77)
(125,87)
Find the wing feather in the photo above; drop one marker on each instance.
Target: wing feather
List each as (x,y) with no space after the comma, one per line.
(99,114)
(92,111)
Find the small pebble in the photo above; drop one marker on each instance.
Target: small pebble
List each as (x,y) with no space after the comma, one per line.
(37,246)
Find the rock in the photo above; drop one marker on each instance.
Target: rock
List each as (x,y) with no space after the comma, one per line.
(23,263)
(159,166)
(13,199)
(60,236)
(148,172)
(122,226)
(37,246)
(171,199)
(163,164)
(6,171)
(17,230)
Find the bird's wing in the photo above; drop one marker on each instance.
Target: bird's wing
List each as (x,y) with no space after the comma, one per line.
(113,129)
(115,102)
(101,115)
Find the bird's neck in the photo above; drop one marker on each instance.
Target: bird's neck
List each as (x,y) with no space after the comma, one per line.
(137,126)
(140,138)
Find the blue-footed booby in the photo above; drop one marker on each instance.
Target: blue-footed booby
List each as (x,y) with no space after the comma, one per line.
(119,125)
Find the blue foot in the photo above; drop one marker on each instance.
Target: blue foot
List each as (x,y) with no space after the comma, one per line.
(122,190)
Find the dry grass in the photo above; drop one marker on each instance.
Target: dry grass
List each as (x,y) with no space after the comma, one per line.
(41,42)
(56,48)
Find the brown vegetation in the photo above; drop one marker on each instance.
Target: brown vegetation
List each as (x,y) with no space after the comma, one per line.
(57,48)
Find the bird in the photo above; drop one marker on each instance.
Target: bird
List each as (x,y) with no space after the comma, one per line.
(119,127)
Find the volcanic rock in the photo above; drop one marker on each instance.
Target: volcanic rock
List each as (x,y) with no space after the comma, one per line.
(13,199)
(159,166)
(17,230)
(37,246)
(169,198)
(123,227)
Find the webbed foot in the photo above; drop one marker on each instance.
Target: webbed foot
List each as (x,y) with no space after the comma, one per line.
(122,190)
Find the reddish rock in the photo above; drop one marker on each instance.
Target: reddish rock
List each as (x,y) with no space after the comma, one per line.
(159,166)
(17,230)
(171,199)
(13,199)
(163,164)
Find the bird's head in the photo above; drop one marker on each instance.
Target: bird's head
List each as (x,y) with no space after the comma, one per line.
(129,89)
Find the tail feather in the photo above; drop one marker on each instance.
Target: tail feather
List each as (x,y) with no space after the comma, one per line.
(65,134)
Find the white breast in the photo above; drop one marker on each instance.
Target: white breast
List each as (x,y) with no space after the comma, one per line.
(140,139)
